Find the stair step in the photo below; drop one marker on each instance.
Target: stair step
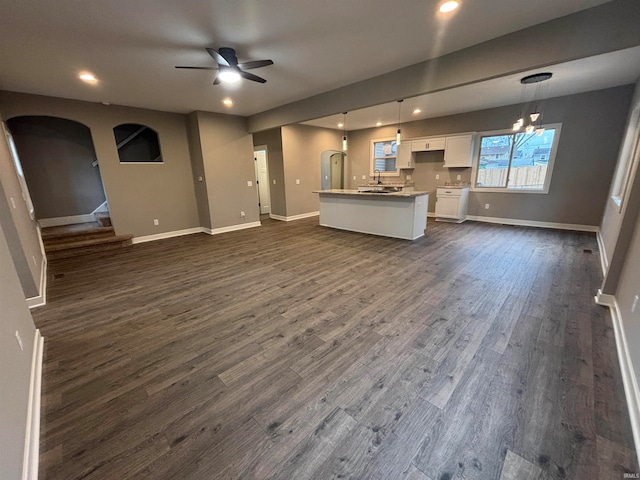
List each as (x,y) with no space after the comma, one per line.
(84,247)
(88,242)
(103,218)
(61,236)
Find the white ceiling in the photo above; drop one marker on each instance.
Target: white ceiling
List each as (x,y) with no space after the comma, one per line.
(317,45)
(594,73)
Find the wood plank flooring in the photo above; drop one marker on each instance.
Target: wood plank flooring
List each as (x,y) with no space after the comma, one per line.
(293,351)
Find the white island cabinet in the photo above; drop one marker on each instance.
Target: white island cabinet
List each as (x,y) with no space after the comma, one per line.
(398,214)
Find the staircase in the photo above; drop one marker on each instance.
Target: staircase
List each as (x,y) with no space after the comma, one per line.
(82,238)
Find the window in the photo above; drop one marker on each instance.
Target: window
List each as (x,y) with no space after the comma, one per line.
(516,162)
(383,157)
(137,144)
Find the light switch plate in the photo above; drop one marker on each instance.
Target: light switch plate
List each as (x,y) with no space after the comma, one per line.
(364,177)
(297,181)
(249,183)
(437,177)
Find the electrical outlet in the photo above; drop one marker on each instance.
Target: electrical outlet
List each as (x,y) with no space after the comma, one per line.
(297,181)
(19,340)
(635,304)
(326,177)
(249,183)
(364,177)
(486,206)
(354,177)
(437,177)
(242,214)
(458,177)
(274,181)
(156,222)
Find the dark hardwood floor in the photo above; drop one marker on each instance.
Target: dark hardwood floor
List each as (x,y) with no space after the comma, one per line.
(293,351)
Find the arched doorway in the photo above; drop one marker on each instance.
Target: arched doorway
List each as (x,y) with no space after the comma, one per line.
(332,169)
(60,167)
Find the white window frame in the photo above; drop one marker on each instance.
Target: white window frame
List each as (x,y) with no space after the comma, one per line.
(628,155)
(396,172)
(551,163)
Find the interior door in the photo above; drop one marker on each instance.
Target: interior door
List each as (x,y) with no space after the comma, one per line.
(262,179)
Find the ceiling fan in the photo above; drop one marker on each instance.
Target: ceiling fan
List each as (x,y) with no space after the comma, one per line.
(229,68)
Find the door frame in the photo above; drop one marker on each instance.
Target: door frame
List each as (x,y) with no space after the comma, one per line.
(256,149)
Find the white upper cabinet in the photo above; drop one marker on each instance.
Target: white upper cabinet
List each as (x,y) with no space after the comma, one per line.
(458,151)
(427,144)
(405,156)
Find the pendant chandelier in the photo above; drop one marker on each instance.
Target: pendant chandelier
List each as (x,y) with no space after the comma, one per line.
(344,131)
(535,115)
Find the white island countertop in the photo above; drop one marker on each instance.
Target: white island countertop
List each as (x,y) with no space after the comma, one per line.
(362,193)
(393,214)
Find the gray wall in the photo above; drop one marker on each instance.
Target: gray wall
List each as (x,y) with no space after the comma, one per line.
(197,167)
(628,287)
(227,153)
(273,140)
(15,373)
(302,147)
(613,214)
(20,230)
(137,193)
(605,28)
(56,156)
(592,128)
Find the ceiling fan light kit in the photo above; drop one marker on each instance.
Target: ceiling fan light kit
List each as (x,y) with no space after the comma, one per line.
(230,71)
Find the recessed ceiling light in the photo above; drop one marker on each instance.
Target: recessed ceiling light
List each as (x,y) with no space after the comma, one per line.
(378,124)
(88,77)
(229,76)
(341,125)
(228,102)
(450,6)
(416,110)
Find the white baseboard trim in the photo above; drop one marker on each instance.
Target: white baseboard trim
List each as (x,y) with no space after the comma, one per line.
(41,299)
(32,437)
(604,263)
(293,217)
(231,228)
(54,222)
(532,223)
(161,236)
(629,379)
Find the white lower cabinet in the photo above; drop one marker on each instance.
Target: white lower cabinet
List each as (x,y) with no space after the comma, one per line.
(451,204)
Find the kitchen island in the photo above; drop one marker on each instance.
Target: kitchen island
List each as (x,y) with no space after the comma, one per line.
(391,214)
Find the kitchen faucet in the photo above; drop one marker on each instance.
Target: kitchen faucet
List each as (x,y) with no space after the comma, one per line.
(374,177)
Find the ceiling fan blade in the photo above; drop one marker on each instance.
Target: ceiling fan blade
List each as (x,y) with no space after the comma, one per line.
(229,55)
(199,68)
(251,76)
(255,64)
(220,60)
(216,81)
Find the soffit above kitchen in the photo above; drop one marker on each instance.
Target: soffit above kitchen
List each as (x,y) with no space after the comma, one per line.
(132,47)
